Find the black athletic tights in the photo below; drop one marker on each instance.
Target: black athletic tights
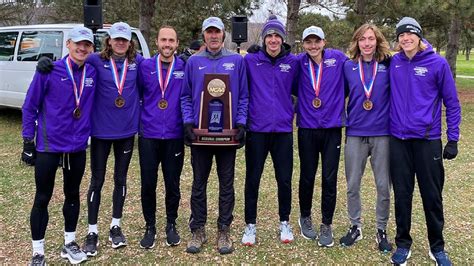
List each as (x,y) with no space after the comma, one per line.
(45,173)
(100,150)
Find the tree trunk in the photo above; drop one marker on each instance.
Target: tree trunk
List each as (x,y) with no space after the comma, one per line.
(468,52)
(147,9)
(293,7)
(453,41)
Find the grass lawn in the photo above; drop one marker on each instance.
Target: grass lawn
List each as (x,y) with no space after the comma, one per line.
(464,67)
(17,192)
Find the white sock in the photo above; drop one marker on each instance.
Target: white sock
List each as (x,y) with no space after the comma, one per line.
(115,222)
(69,237)
(93,229)
(38,246)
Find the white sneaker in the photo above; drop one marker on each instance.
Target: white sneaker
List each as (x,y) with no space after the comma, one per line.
(286,234)
(250,233)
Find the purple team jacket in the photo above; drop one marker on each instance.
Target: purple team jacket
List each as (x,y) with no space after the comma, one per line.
(109,121)
(50,101)
(418,88)
(159,123)
(224,62)
(331,114)
(361,122)
(270,87)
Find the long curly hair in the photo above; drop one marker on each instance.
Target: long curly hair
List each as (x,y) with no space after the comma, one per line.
(382,50)
(107,51)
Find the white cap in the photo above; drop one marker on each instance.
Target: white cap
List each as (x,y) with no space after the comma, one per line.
(80,33)
(120,30)
(212,22)
(313,30)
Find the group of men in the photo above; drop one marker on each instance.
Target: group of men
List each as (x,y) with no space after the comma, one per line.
(381,124)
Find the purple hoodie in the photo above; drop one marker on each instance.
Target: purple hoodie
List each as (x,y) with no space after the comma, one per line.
(224,62)
(331,113)
(159,123)
(50,101)
(361,122)
(270,87)
(418,88)
(109,121)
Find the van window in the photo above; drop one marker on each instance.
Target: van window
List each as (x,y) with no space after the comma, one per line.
(36,44)
(7,45)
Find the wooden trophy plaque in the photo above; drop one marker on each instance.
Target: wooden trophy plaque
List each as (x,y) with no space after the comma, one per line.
(215,115)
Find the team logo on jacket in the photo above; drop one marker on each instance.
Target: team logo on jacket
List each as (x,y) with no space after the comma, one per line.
(285,67)
(88,82)
(178,74)
(228,66)
(382,68)
(330,62)
(132,66)
(420,71)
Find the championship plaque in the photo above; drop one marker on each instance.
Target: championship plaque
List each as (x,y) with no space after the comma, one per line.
(215,115)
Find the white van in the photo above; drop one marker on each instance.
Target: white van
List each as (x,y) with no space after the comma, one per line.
(22,46)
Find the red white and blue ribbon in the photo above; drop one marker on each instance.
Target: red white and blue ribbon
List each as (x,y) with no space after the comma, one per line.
(119,80)
(315,76)
(164,81)
(77,92)
(368,88)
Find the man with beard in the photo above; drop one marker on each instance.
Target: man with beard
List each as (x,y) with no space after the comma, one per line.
(214,59)
(161,134)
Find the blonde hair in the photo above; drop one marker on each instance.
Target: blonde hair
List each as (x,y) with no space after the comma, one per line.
(421,46)
(382,49)
(107,51)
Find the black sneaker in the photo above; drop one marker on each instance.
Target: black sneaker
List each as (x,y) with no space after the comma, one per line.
(38,260)
(148,240)
(116,237)
(353,235)
(91,244)
(382,241)
(172,235)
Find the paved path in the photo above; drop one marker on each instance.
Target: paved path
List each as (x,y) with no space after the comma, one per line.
(464,77)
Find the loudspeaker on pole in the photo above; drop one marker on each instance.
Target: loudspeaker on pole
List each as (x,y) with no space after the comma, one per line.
(93,18)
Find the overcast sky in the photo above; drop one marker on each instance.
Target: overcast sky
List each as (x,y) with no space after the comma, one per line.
(278,7)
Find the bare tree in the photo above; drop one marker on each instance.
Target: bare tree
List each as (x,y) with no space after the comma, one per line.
(147,9)
(293,7)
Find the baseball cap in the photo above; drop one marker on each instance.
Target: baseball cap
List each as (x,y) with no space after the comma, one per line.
(120,30)
(212,22)
(313,30)
(80,33)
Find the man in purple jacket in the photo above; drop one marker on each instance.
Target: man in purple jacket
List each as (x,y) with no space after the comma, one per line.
(320,118)
(161,134)
(214,59)
(57,111)
(420,82)
(272,72)
(367,132)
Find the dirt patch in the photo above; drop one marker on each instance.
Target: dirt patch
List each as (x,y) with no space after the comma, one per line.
(466,96)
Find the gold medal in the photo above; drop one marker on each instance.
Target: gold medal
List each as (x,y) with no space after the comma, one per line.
(76,113)
(368,105)
(316,102)
(119,101)
(163,104)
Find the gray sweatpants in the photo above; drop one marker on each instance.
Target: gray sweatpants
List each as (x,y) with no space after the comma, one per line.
(357,150)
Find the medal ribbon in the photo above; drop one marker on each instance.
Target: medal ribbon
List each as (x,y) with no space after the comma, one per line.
(164,81)
(315,79)
(119,80)
(368,89)
(77,94)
